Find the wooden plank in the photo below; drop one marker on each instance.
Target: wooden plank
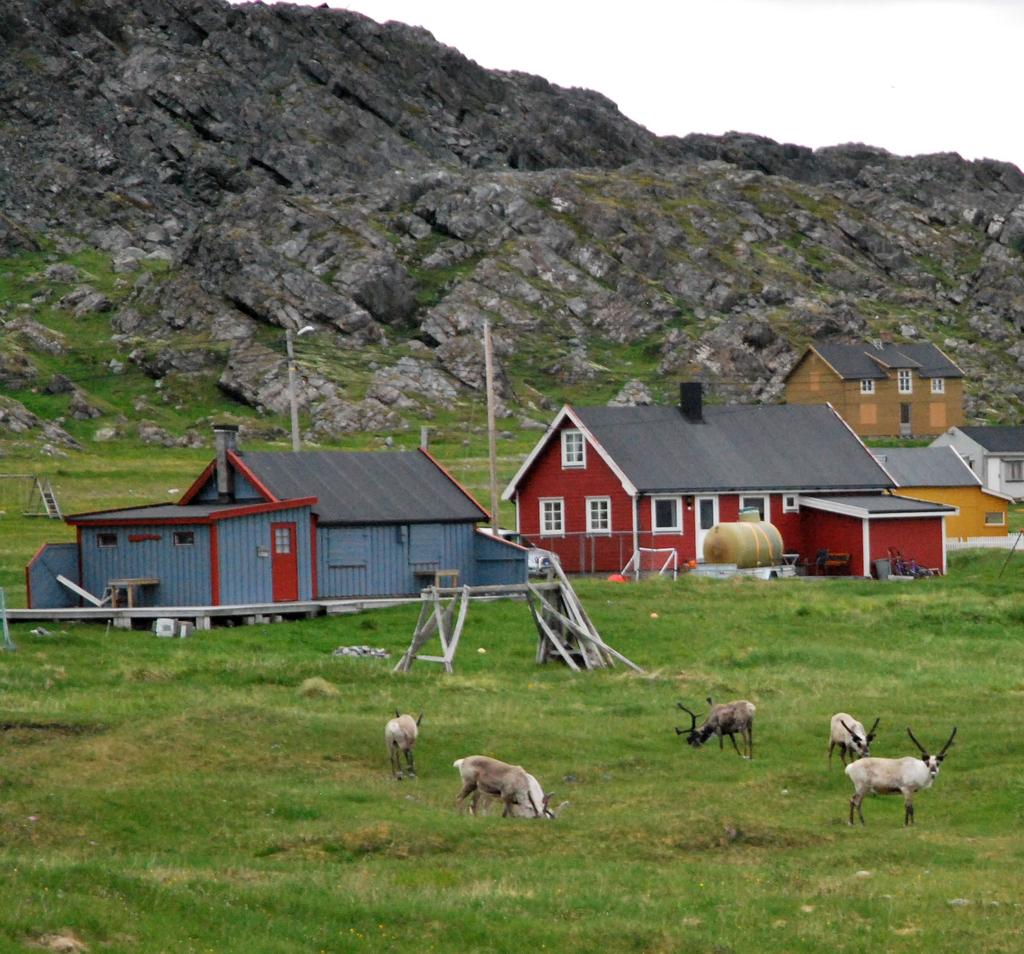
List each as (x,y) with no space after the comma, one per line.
(550,633)
(75,588)
(457,632)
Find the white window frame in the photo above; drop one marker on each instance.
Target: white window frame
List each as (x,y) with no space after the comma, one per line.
(591,523)
(178,535)
(1014,470)
(102,535)
(1001,522)
(791,503)
(767,498)
(545,529)
(905,381)
(938,385)
(867,385)
(579,456)
(678,528)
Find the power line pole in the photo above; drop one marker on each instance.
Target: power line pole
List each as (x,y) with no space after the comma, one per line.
(492,449)
(293,399)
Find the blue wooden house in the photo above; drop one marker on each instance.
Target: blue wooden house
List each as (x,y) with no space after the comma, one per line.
(265,527)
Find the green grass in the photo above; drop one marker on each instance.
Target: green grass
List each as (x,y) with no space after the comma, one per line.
(206,805)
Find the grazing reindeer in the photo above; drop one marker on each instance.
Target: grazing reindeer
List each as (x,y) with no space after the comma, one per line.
(849,735)
(518,789)
(400,735)
(725,719)
(891,776)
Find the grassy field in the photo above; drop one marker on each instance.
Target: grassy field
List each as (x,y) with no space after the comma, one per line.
(191,797)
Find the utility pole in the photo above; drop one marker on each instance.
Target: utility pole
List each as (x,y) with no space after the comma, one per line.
(492,450)
(293,399)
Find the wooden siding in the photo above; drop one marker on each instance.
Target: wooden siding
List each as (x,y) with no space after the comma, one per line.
(496,562)
(53,559)
(837,533)
(877,415)
(917,539)
(245,572)
(547,478)
(973,502)
(244,490)
(183,572)
(392,559)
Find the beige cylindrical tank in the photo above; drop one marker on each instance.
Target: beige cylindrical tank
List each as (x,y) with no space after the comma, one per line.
(748,543)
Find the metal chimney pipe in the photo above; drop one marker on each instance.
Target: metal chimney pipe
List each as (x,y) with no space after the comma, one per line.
(691,401)
(225,438)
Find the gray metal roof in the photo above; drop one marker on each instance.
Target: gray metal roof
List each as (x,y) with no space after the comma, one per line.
(1000,440)
(879,503)
(926,467)
(157,512)
(862,360)
(357,487)
(738,447)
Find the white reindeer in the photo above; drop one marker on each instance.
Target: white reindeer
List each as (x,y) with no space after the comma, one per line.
(847,733)
(518,789)
(895,776)
(400,736)
(725,719)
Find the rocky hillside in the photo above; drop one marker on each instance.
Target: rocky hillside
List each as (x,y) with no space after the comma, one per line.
(182,179)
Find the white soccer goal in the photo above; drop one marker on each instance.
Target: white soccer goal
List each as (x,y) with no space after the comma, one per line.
(652,561)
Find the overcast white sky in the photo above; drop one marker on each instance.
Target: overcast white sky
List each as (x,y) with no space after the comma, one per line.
(912,76)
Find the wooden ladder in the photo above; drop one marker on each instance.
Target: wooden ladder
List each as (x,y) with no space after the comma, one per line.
(42,490)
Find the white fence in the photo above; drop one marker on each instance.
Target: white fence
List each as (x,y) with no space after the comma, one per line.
(989,543)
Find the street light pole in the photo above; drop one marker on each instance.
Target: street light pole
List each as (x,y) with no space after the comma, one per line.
(293,399)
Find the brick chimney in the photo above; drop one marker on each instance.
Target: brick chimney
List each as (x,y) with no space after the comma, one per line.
(225,437)
(691,401)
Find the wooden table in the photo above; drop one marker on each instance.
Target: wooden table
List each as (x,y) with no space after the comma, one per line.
(129,586)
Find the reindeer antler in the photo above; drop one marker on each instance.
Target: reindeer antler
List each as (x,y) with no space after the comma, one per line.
(692,716)
(871,731)
(948,744)
(924,751)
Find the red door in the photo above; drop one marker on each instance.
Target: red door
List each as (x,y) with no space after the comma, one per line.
(284,562)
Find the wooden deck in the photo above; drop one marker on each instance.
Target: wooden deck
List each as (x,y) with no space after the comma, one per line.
(204,617)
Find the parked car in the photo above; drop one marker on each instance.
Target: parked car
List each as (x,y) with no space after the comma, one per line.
(539,561)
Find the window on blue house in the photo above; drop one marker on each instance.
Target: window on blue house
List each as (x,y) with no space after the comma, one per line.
(106,541)
(184,538)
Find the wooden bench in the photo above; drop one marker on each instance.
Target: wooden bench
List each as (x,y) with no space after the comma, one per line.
(130,587)
(837,562)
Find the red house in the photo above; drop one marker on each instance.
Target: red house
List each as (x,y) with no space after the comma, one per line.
(605,481)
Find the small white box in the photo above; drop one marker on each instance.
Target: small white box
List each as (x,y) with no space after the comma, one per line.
(165,626)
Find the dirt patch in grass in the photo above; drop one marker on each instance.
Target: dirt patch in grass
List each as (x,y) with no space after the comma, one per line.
(54,728)
(371,840)
(64,941)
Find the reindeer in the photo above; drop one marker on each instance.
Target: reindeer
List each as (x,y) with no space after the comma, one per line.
(891,776)
(518,789)
(400,736)
(849,735)
(725,719)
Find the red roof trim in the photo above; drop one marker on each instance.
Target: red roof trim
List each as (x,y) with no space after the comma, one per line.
(444,470)
(210,518)
(263,508)
(198,483)
(247,471)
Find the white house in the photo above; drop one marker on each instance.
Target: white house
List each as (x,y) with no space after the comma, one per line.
(995,454)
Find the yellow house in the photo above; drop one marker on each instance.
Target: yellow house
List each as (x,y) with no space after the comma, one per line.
(941,475)
(882,389)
